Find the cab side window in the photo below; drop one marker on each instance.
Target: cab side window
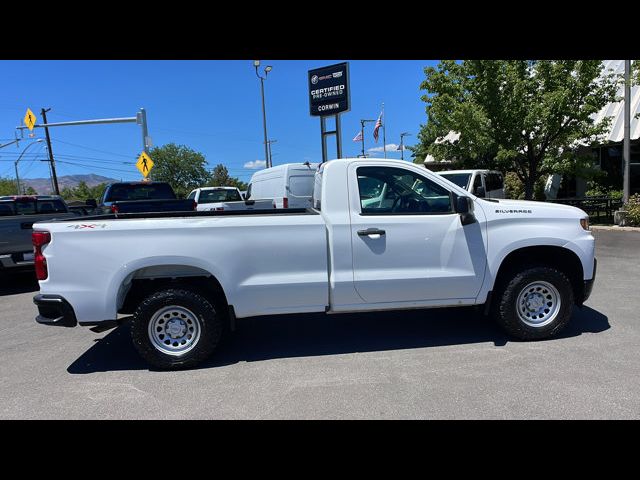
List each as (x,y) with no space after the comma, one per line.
(389,191)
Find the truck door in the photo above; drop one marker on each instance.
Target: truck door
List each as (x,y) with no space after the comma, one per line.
(408,244)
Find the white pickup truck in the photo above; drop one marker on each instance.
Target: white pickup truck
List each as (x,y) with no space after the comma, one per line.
(382,235)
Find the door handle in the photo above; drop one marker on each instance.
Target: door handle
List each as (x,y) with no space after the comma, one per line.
(370,232)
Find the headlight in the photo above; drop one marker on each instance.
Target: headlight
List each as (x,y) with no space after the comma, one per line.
(584,223)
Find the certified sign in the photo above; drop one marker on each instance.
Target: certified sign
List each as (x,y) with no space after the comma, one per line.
(329,90)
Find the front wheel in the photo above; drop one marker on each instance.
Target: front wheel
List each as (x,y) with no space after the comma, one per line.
(175,328)
(535,304)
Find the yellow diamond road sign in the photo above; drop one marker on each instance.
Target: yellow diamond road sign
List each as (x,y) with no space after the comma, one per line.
(29,119)
(144,164)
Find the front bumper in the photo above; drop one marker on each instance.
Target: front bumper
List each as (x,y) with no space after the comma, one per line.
(54,310)
(588,284)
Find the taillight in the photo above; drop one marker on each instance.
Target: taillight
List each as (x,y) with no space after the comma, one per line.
(285,202)
(195,205)
(219,209)
(115,209)
(40,239)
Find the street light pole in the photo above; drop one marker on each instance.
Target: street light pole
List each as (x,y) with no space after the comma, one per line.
(267,69)
(362,122)
(402,135)
(18,160)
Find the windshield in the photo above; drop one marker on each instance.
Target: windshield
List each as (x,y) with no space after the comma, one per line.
(140,191)
(222,195)
(460,179)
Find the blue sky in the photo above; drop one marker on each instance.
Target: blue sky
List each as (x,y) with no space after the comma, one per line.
(212,106)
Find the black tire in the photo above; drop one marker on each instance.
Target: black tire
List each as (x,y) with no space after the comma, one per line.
(210,326)
(505,307)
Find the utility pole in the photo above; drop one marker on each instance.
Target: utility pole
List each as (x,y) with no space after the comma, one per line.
(627,131)
(43,112)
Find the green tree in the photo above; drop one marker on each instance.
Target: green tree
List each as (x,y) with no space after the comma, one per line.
(220,178)
(8,186)
(180,166)
(83,192)
(521,116)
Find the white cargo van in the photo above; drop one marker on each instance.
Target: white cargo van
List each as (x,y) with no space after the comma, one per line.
(289,185)
(481,183)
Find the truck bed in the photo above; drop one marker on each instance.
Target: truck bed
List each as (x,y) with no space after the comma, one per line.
(182,214)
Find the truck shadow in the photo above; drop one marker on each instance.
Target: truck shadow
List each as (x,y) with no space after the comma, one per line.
(286,336)
(15,282)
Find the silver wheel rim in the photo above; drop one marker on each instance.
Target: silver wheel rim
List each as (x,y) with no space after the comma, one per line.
(538,304)
(174,330)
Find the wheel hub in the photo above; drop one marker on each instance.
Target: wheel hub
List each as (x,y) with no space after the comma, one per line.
(538,304)
(535,302)
(176,328)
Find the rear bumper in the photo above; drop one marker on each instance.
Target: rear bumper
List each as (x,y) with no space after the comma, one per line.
(54,310)
(13,260)
(588,284)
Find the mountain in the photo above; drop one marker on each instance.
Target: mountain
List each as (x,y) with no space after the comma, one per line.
(43,185)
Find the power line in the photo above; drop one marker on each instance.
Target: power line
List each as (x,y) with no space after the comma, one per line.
(95,166)
(94,149)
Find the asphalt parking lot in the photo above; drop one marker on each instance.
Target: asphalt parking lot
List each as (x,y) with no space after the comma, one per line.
(430,364)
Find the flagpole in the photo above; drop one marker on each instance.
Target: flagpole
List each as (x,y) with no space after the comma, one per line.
(362,135)
(384,132)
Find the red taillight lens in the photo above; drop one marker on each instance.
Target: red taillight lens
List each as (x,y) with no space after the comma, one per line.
(40,239)
(114,209)
(195,205)
(219,209)
(285,202)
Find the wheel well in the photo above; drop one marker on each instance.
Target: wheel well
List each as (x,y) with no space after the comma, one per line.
(142,283)
(557,257)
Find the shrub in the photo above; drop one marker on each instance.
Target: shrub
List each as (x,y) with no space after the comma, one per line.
(514,188)
(633,210)
(596,190)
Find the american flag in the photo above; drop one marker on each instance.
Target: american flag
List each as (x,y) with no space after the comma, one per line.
(358,137)
(375,129)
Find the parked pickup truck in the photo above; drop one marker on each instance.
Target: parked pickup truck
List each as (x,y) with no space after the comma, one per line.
(137,197)
(220,199)
(382,235)
(17,214)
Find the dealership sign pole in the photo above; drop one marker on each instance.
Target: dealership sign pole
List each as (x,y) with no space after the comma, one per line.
(329,97)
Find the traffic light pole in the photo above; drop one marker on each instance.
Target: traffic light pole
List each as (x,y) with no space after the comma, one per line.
(140,119)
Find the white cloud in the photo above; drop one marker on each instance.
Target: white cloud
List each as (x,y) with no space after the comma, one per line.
(391,147)
(255,165)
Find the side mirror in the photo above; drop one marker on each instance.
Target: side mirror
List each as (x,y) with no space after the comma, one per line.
(480,192)
(91,202)
(464,206)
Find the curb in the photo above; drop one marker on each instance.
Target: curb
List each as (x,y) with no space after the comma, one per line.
(614,228)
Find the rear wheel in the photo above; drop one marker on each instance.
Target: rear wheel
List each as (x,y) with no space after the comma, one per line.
(535,304)
(176,328)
